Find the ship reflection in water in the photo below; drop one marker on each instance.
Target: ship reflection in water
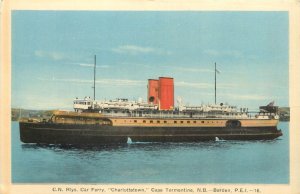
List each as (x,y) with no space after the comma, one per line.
(147,145)
(260,161)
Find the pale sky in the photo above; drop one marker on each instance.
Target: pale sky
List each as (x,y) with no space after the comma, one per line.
(53,55)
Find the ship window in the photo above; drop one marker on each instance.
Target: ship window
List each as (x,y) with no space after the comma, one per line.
(158,121)
(135,121)
(188,121)
(194,121)
(165,121)
(202,121)
(144,121)
(175,121)
(181,121)
(151,121)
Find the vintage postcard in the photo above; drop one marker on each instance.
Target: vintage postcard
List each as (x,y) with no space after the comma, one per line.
(150,97)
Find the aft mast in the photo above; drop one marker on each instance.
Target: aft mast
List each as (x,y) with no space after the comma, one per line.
(94,78)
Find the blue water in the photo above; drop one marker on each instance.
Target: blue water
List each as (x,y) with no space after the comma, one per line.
(206,162)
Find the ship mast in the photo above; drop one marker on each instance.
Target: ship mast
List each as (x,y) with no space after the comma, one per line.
(215,83)
(94,78)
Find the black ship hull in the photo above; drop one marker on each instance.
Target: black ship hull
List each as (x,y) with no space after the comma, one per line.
(93,134)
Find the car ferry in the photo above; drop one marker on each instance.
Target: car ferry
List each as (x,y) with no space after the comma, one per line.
(118,120)
(157,120)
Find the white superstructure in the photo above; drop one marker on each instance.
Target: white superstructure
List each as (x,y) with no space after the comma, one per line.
(118,104)
(124,107)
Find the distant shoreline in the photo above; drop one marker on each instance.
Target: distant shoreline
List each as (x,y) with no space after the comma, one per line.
(17,113)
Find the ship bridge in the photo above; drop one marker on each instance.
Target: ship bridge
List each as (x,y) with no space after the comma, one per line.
(80,105)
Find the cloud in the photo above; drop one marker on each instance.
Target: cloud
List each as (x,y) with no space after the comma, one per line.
(135,50)
(92,65)
(52,55)
(203,85)
(133,83)
(246,97)
(137,64)
(227,53)
(105,82)
(128,82)
(211,52)
(86,65)
(193,69)
(193,84)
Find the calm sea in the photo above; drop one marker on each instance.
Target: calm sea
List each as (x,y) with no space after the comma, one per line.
(206,162)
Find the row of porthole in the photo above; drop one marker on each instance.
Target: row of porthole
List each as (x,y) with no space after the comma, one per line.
(175,122)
